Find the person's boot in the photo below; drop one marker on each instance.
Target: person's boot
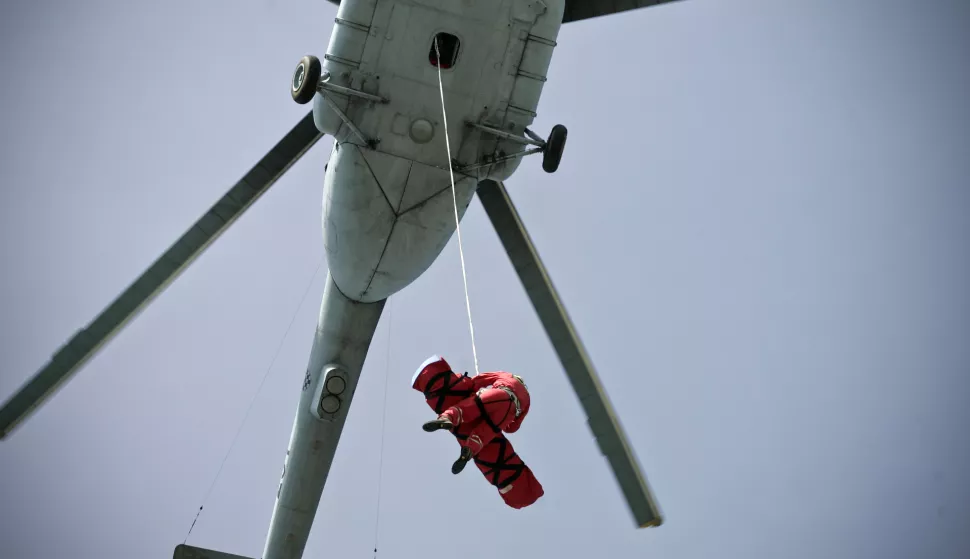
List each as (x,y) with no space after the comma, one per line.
(459,465)
(441,422)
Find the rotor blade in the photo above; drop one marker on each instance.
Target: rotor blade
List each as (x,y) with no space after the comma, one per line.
(190,245)
(562,333)
(577,10)
(183,551)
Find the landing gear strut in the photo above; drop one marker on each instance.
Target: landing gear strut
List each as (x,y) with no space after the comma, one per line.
(309,78)
(550,148)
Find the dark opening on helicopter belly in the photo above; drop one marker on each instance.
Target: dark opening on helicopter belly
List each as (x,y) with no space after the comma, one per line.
(446,49)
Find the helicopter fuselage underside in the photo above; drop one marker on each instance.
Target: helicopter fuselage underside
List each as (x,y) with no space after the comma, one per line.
(386,219)
(388,205)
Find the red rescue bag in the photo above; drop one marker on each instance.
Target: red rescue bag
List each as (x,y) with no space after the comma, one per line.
(498,462)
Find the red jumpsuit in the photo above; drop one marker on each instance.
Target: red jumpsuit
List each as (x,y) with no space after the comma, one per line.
(500,403)
(496,459)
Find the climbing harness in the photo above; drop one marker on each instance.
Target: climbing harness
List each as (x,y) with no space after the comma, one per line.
(253,400)
(515,400)
(454,196)
(507,390)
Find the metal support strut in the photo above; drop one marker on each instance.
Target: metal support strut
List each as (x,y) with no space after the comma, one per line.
(533,139)
(492,160)
(324,85)
(346,120)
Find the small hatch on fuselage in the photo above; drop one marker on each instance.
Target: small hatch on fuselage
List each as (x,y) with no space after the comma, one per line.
(448,46)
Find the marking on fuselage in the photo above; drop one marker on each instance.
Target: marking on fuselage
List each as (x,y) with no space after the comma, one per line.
(283,475)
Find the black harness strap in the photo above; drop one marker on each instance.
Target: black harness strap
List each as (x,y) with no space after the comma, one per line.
(484,413)
(500,465)
(494,469)
(447,389)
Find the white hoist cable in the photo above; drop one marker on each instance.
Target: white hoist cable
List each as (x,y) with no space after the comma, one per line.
(454,197)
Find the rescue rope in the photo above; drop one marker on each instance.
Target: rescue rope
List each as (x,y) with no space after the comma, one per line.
(454,196)
(253,400)
(380,467)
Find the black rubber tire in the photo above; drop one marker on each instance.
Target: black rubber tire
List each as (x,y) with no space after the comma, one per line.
(306,76)
(554,148)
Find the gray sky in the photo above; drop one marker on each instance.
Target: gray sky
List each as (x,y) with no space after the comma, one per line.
(759,227)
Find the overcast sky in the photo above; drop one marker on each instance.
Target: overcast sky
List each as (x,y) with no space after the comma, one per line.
(759,226)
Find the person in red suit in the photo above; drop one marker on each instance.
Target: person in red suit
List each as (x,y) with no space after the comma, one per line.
(500,403)
(478,411)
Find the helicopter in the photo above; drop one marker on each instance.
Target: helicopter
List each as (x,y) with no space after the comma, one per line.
(429,104)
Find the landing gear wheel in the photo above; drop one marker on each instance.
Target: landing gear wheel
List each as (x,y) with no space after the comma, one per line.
(552,155)
(305,79)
